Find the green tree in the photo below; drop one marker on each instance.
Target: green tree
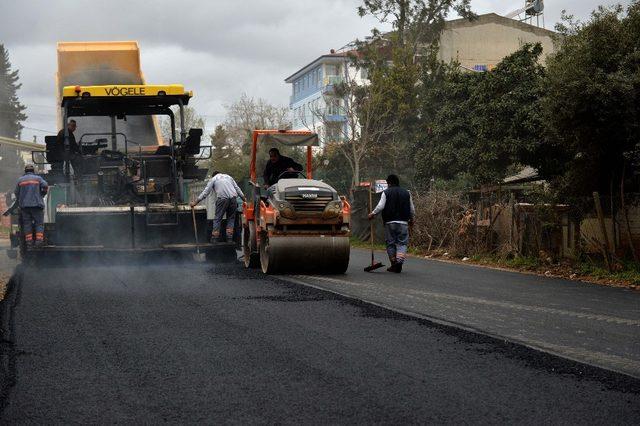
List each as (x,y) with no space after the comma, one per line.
(329,165)
(480,125)
(11,116)
(391,152)
(592,106)
(392,61)
(227,158)
(414,22)
(11,110)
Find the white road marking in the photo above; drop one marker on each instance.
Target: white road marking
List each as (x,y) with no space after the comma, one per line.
(599,359)
(486,302)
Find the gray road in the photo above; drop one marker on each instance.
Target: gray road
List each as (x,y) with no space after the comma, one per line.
(193,343)
(591,323)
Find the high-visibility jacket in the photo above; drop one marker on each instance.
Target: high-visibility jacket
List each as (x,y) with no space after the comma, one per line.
(30,190)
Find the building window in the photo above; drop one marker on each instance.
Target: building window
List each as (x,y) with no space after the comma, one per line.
(332,133)
(334,107)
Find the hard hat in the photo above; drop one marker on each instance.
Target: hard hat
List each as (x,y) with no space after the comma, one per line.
(29,168)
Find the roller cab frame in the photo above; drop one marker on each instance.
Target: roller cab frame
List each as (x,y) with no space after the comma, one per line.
(299,224)
(118,195)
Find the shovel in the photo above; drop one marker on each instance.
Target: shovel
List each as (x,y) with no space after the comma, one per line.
(374,265)
(199,256)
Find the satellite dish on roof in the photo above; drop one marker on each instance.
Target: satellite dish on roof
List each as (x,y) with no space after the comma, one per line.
(531,9)
(534,7)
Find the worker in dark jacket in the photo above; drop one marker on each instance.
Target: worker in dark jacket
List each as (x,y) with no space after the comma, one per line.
(29,192)
(398,213)
(74,149)
(277,165)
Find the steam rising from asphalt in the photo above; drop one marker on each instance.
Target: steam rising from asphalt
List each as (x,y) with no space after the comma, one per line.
(116,260)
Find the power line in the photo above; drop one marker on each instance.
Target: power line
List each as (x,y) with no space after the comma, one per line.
(39,130)
(8,112)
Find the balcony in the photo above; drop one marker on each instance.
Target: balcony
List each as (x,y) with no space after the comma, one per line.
(330,81)
(335,118)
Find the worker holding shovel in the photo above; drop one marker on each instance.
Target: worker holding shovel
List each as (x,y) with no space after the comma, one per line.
(227,190)
(398,213)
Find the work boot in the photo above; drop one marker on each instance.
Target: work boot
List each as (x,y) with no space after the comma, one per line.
(398,268)
(393,267)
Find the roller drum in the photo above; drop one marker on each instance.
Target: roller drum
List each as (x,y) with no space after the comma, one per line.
(312,254)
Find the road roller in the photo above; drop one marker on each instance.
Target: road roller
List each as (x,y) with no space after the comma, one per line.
(298,224)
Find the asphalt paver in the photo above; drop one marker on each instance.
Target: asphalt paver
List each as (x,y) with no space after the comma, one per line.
(203,343)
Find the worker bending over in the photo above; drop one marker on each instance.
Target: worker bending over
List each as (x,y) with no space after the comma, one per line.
(29,192)
(227,191)
(277,165)
(398,212)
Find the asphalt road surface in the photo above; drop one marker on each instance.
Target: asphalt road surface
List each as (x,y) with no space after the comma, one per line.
(590,323)
(201,343)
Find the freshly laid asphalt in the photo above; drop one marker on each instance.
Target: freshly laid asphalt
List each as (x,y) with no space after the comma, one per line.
(595,324)
(202,343)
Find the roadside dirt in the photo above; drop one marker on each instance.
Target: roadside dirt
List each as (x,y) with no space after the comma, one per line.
(6,267)
(4,280)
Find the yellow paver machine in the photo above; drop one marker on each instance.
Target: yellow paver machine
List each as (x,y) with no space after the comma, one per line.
(120,187)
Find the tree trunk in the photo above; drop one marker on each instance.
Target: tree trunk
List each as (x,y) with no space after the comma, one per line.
(605,245)
(627,227)
(402,19)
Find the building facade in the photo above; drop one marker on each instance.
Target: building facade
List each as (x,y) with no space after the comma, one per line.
(314,103)
(477,45)
(481,44)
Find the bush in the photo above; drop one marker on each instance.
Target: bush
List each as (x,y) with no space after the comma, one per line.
(444,221)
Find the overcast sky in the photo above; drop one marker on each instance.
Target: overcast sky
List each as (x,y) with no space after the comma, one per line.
(218,49)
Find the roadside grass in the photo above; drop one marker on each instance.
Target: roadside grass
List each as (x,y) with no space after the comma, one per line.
(356,242)
(625,271)
(527,263)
